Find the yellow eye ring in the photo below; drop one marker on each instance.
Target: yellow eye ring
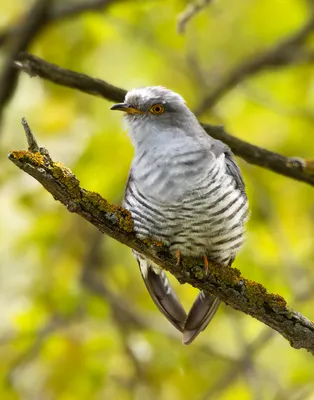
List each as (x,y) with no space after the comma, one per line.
(157,109)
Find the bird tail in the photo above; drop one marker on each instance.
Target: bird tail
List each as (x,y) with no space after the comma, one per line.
(202,311)
(162,292)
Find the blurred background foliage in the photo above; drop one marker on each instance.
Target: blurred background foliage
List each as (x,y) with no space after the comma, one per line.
(76,320)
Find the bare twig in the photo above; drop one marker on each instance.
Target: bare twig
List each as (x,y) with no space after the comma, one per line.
(56,322)
(61,11)
(224,282)
(287,52)
(31,141)
(238,366)
(35,66)
(189,12)
(21,39)
(298,169)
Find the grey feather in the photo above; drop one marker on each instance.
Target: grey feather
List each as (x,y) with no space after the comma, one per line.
(163,294)
(202,311)
(232,168)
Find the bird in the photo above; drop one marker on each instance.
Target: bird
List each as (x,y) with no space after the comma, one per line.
(184,189)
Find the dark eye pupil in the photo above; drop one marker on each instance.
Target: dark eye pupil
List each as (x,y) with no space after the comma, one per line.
(157,109)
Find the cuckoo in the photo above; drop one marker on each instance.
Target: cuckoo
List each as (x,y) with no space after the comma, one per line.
(184,189)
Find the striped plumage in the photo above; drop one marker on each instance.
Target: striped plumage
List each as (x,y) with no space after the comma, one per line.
(185,190)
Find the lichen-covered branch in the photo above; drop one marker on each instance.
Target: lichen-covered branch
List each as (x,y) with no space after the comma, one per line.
(296,168)
(224,282)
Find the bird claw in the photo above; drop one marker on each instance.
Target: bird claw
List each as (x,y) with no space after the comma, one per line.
(205,261)
(206,264)
(178,258)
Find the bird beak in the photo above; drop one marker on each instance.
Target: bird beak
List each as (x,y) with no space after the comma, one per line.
(125,108)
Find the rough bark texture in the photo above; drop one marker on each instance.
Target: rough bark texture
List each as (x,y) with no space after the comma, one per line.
(226,283)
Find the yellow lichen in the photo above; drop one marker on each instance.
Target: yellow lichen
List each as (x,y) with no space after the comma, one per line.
(35,159)
(230,276)
(123,216)
(276,301)
(65,176)
(258,295)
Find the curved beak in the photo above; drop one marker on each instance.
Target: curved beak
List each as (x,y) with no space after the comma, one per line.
(125,108)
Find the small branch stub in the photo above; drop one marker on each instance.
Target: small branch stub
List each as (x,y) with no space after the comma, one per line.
(32,143)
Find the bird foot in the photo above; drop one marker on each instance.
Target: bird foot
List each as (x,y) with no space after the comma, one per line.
(206,264)
(205,261)
(178,258)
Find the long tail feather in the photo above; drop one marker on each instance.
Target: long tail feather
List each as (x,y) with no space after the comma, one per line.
(202,311)
(162,293)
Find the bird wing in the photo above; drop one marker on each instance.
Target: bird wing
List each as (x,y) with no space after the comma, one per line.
(162,292)
(217,148)
(205,306)
(202,311)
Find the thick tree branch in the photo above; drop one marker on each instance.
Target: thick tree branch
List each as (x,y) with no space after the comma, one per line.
(288,52)
(295,168)
(225,283)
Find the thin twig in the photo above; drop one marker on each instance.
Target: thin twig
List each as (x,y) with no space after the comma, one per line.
(56,322)
(61,11)
(223,282)
(287,52)
(299,170)
(21,39)
(32,143)
(189,12)
(239,365)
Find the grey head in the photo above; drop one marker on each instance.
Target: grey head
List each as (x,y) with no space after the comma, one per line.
(154,109)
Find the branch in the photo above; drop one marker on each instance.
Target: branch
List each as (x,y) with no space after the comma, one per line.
(238,366)
(55,323)
(295,168)
(292,167)
(21,39)
(223,282)
(285,53)
(189,12)
(58,12)
(35,66)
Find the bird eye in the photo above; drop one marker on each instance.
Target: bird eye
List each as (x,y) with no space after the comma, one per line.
(157,109)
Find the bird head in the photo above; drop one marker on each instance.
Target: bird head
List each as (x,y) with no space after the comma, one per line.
(152,110)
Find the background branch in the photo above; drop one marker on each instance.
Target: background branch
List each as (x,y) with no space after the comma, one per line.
(189,12)
(21,38)
(58,12)
(287,52)
(296,168)
(225,283)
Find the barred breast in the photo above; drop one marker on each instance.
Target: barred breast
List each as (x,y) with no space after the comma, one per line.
(208,220)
